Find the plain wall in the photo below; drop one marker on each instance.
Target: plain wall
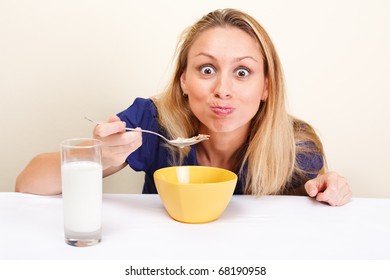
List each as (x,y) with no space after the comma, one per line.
(62,60)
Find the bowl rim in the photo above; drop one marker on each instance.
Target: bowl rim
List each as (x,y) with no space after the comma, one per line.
(234,175)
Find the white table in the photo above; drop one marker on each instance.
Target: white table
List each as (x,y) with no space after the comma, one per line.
(138,227)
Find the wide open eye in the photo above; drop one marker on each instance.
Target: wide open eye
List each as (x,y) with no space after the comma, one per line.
(242,72)
(207,70)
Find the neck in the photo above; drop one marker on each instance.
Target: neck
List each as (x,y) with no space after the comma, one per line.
(222,149)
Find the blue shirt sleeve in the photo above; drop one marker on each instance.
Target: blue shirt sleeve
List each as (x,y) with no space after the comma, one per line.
(310,161)
(142,113)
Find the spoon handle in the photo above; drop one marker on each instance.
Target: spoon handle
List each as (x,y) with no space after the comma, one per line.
(133,129)
(147,131)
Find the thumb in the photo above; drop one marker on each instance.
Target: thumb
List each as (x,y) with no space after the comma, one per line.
(114,118)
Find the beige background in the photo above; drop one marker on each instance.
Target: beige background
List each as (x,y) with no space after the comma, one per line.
(61,60)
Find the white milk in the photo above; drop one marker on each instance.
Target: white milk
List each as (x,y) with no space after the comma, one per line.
(82,196)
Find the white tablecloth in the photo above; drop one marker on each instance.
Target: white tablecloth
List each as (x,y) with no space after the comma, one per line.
(138,227)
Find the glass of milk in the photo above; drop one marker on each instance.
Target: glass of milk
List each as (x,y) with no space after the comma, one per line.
(81,174)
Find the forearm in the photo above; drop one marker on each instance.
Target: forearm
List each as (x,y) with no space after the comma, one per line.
(42,175)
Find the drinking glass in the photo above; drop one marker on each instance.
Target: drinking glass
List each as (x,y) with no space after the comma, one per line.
(81,174)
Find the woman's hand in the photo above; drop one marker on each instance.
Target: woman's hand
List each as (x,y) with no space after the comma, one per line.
(330,188)
(117,143)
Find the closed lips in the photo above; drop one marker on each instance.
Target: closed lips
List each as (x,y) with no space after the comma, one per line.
(219,110)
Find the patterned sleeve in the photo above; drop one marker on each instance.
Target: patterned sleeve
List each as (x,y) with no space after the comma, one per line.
(308,165)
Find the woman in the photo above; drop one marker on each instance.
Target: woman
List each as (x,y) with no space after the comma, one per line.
(228,84)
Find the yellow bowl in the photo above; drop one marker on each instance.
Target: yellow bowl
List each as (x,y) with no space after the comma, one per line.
(195,194)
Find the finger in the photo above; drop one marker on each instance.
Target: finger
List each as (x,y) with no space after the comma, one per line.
(314,186)
(346,198)
(109,128)
(345,193)
(113,118)
(329,196)
(311,187)
(118,155)
(114,155)
(337,191)
(121,139)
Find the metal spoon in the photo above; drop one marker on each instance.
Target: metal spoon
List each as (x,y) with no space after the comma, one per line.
(178,142)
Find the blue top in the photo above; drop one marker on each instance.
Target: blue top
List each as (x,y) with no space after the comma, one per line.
(153,155)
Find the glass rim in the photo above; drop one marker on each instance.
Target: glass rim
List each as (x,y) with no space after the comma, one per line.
(67,143)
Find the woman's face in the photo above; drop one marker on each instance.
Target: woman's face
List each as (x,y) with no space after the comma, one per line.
(224,79)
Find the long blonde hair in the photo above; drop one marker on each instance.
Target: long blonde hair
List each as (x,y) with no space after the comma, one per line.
(269,157)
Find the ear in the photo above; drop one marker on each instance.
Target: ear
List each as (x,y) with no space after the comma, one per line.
(183,82)
(265,90)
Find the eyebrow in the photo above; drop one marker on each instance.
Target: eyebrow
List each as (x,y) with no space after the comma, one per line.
(236,59)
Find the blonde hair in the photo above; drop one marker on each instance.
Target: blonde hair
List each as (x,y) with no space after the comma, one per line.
(269,157)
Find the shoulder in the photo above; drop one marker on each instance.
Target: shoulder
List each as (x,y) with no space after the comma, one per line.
(306,138)
(142,113)
(145,103)
(140,104)
(301,126)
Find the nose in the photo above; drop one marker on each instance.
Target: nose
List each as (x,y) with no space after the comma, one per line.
(223,86)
